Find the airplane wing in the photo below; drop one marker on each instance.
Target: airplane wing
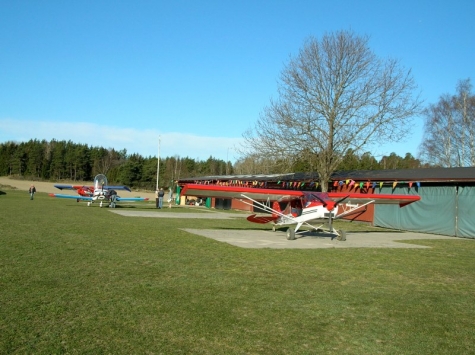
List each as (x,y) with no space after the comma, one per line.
(86,198)
(355,198)
(75,197)
(119,187)
(91,188)
(257,194)
(132,199)
(72,187)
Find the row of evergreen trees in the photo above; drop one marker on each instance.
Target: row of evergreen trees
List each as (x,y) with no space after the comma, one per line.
(61,160)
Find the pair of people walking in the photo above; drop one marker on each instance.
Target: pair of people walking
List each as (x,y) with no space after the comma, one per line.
(32,191)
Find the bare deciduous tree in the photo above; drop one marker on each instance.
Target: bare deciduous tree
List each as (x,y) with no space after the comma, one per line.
(255,164)
(335,95)
(449,136)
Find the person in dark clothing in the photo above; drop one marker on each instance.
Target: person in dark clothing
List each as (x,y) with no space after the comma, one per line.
(113,198)
(161,193)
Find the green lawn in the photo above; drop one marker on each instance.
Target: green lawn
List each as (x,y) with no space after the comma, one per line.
(82,280)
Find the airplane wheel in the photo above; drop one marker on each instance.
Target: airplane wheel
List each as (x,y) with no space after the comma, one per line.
(342,236)
(290,234)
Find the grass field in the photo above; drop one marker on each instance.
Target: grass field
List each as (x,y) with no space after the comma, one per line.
(82,280)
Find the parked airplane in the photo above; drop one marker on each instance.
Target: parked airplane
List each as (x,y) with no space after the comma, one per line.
(298,207)
(101,191)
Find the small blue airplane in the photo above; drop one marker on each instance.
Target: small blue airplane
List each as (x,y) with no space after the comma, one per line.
(101,191)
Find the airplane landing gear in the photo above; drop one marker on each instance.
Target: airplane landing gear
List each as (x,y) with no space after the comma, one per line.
(290,234)
(341,236)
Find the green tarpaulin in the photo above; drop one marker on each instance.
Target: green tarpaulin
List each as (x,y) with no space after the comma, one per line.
(466,212)
(177,198)
(446,210)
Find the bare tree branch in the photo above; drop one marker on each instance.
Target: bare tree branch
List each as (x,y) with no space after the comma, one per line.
(335,95)
(449,135)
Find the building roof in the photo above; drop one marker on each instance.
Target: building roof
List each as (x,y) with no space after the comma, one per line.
(259,177)
(421,175)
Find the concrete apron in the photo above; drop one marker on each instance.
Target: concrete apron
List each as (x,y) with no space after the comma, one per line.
(312,240)
(277,240)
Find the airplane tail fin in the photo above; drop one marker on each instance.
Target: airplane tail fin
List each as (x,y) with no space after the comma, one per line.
(276,207)
(260,219)
(266,219)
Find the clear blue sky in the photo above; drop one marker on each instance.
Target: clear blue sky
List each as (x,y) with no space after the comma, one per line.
(120,74)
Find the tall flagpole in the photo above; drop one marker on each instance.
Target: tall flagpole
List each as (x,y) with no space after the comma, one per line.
(158,162)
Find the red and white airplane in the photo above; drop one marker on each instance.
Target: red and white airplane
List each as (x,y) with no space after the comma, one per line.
(291,207)
(101,191)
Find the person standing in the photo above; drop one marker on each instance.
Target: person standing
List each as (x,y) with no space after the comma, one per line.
(161,193)
(113,198)
(170,198)
(32,191)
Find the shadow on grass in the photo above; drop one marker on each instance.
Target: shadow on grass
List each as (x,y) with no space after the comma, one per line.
(280,232)
(313,233)
(241,229)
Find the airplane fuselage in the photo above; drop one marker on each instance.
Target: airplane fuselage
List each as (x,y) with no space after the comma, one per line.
(314,211)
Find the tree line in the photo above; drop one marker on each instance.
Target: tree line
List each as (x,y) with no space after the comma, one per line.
(65,160)
(261,164)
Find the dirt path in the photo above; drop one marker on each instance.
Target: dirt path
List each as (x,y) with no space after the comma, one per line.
(48,187)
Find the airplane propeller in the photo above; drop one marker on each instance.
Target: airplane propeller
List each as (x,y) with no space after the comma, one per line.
(330,204)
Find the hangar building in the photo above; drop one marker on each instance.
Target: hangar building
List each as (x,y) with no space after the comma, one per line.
(447,205)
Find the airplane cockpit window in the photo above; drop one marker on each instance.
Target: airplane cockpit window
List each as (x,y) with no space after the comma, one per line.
(100,181)
(296,208)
